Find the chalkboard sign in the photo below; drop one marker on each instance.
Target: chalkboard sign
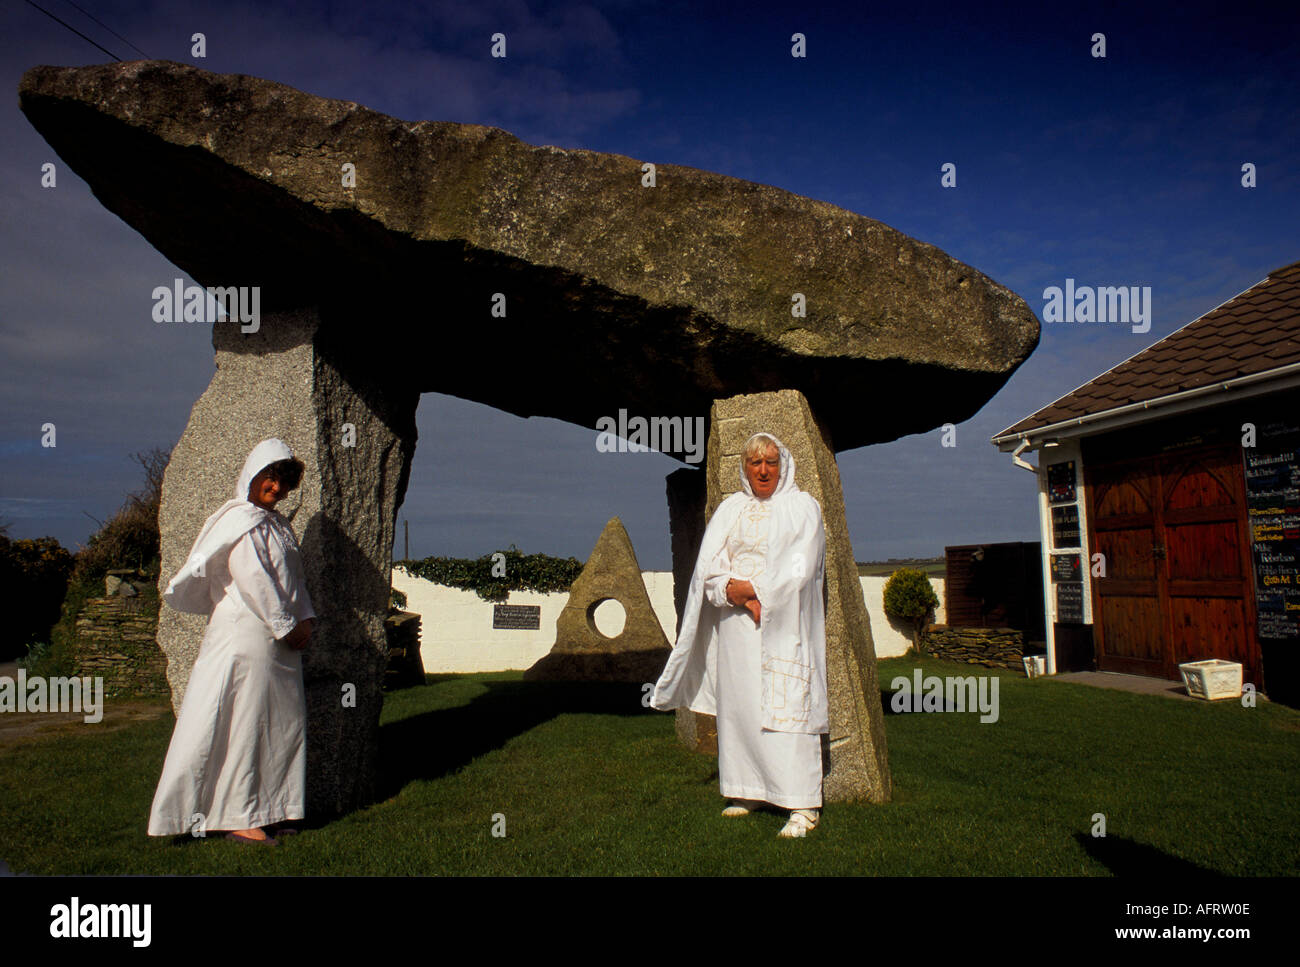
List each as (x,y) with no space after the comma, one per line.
(1069,602)
(1060,482)
(1273,509)
(517,617)
(1065,526)
(1065,567)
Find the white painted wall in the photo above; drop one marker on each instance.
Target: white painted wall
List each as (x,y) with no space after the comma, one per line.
(890,641)
(456,633)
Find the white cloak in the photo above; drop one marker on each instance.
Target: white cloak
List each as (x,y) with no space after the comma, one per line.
(792,696)
(237,758)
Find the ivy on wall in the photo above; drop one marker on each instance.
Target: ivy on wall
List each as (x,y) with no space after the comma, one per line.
(493,576)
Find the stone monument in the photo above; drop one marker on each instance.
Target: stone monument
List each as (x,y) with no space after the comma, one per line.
(581,651)
(616,283)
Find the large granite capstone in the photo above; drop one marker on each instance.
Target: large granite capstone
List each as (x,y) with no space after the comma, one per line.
(659,300)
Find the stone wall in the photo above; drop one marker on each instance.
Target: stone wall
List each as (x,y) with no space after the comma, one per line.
(117,638)
(993,647)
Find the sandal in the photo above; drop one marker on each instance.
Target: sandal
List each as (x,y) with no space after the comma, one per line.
(800,821)
(241,838)
(740,807)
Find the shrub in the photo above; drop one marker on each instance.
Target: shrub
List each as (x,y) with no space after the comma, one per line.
(483,575)
(909,597)
(131,536)
(33,576)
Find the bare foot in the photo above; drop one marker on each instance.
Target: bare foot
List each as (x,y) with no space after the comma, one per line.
(255,833)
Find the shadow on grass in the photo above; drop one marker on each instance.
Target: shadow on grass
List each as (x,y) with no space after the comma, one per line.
(1126,857)
(434,744)
(887,704)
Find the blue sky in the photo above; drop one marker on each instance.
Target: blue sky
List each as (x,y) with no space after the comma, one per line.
(1117,171)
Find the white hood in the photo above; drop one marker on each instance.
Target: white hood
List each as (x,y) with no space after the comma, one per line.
(189,590)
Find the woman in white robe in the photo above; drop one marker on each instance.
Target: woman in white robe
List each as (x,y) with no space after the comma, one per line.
(752,646)
(237,759)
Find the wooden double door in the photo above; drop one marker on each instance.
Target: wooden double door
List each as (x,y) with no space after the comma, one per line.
(1178,582)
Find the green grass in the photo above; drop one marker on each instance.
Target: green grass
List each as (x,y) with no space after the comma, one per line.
(590,783)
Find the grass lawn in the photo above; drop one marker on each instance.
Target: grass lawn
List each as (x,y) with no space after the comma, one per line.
(589,782)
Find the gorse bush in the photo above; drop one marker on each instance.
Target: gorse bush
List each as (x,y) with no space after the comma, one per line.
(131,537)
(33,579)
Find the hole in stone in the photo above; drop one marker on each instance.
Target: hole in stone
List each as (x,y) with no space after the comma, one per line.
(607,616)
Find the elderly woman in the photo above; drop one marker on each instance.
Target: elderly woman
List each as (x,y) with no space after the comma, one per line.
(237,760)
(752,646)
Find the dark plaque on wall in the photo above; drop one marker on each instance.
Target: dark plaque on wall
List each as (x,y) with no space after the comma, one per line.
(1065,567)
(1065,526)
(1060,482)
(1273,509)
(1069,602)
(517,617)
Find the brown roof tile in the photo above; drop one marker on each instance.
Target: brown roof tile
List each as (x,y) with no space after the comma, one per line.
(1254,332)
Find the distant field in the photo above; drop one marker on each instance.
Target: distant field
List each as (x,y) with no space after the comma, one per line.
(934,567)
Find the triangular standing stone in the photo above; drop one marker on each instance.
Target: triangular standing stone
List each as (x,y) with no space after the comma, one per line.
(581,652)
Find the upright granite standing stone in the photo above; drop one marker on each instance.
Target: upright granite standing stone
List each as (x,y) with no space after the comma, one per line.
(289,380)
(687,496)
(859,762)
(581,652)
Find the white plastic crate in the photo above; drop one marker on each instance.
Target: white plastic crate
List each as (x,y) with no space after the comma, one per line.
(1212,679)
(1035,665)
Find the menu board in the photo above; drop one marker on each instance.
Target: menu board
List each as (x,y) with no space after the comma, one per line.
(1273,509)
(1069,602)
(1065,567)
(1065,526)
(1060,482)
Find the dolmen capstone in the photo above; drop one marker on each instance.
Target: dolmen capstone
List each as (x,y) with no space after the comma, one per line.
(372,259)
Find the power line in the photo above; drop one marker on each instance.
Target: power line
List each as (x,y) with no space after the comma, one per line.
(74,30)
(106,27)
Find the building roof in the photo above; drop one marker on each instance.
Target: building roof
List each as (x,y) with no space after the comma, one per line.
(1252,333)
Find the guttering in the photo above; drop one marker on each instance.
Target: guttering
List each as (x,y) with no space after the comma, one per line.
(1282,378)
(1015,457)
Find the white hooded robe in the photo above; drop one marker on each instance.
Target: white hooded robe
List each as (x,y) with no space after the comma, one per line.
(766,684)
(237,758)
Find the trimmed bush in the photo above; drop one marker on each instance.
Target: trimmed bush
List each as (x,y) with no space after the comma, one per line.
(909,597)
